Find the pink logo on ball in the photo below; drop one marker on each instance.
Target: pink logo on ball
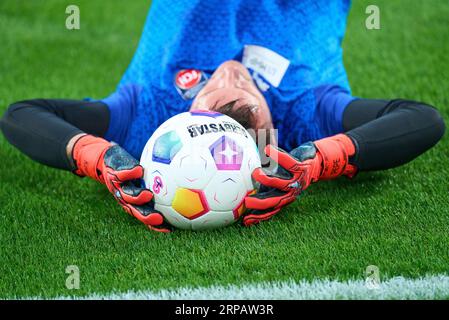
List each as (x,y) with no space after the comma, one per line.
(157,184)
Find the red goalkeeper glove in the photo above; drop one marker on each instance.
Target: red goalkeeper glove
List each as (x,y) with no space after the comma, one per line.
(121,173)
(323,159)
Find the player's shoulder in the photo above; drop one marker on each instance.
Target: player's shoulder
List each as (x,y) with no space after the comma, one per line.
(129,93)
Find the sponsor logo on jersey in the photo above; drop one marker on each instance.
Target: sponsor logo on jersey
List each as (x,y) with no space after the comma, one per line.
(189,82)
(187,79)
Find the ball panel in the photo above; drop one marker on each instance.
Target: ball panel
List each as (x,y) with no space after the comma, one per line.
(169,125)
(225,190)
(213,220)
(240,209)
(227,153)
(190,203)
(205,113)
(193,167)
(174,218)
(166,147)
(159,180)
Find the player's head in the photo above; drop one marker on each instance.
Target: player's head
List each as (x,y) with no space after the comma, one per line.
(232,91)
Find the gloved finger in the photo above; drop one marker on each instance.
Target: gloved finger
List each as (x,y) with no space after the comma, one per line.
(305,151)
(139,212)
(271,180)
(163,227)
(150,217)
(271,199)
(265,200)
(133,194)
(252,219)
(126,174)
(283,158)
(155,221)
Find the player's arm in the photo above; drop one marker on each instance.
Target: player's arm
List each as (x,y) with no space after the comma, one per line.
(378,135)
(68,134)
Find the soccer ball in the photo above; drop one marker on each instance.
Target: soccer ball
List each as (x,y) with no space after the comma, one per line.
(198,165)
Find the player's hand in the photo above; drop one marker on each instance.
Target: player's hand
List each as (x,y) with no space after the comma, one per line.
(294,174)
(323,159)
(122,174)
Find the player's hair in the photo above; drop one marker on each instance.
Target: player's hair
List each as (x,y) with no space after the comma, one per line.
(242,115)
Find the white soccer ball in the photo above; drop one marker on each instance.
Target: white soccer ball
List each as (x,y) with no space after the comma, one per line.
(198,165)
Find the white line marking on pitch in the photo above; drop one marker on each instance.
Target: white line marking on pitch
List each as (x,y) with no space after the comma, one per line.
(429,287)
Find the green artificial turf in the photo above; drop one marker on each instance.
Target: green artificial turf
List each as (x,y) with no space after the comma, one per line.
(49,219)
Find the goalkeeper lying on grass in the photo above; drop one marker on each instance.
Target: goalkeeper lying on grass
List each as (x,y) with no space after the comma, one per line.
(272,66)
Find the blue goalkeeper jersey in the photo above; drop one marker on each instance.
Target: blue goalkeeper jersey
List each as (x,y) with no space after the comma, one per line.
(291,48)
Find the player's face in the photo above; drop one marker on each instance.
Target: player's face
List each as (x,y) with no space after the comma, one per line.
(230,82)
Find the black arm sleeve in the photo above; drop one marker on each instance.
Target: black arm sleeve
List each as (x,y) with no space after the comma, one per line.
(41,128)
(390,133)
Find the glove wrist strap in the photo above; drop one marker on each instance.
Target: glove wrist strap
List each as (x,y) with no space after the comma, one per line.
(88,152)
(335,152)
